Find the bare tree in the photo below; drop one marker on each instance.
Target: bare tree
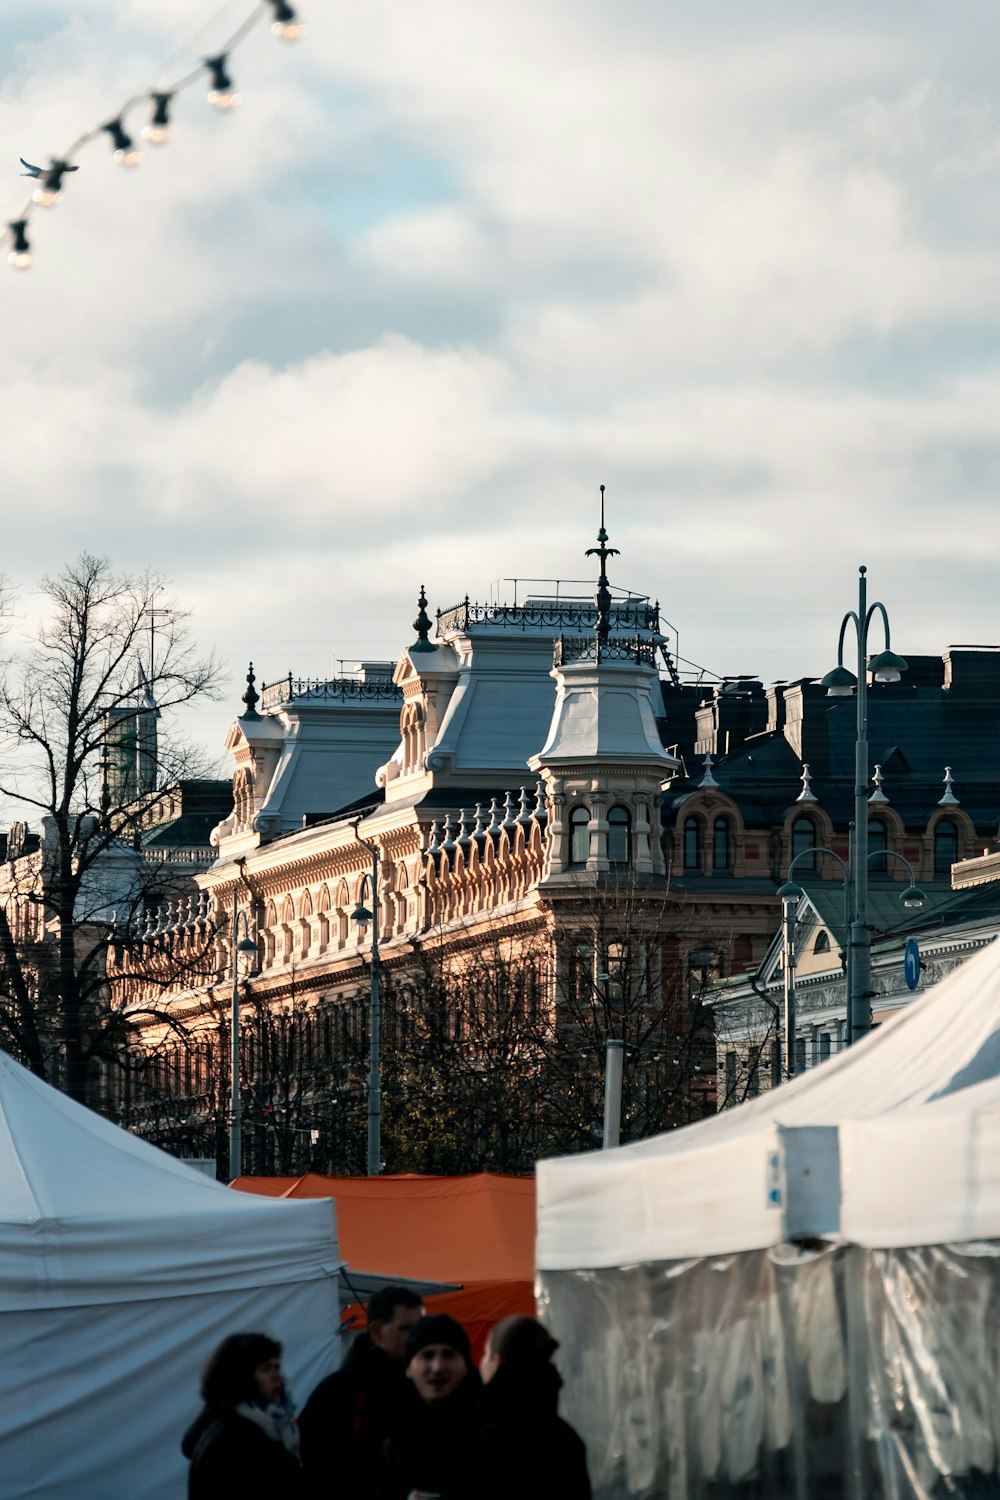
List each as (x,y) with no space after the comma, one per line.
(83,745)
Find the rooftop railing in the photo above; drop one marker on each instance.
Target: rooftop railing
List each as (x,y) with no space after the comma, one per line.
(549,614)
(570,648)
(333,690)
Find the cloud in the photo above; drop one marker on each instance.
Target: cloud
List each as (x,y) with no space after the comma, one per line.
(448,268)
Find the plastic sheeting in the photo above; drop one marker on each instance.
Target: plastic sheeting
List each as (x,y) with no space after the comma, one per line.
(790,1374)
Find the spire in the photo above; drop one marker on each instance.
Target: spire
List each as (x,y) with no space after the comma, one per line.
(949,799)
(602,598)
(422,624)
(251,697)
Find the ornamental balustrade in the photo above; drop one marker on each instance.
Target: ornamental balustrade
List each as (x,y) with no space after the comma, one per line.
(331,690)
(549,614)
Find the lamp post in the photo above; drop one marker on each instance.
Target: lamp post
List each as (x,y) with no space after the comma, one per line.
(240,945)
(362,916)
(840,683)
(791,894)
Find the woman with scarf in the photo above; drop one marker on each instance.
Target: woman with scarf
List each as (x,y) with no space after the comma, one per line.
(521,1446)
(245,1444)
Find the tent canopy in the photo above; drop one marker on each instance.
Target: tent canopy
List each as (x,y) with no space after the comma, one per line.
(90,1214)
(772,1169)
(120,1270)
(478,1231)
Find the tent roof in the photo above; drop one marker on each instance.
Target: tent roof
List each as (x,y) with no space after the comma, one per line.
(479,1228)
(769,1170)
(89,1214)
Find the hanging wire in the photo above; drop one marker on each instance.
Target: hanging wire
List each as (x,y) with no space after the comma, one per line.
(15,213)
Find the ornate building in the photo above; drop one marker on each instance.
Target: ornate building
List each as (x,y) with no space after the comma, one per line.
(635,866)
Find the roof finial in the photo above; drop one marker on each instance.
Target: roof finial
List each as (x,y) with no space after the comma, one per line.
(251,697)
(878,795)
(949,799)
(602,598)
(422,624)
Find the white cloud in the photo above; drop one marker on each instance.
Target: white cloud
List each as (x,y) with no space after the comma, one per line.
(449,267)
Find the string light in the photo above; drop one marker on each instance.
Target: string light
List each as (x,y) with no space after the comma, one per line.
(158,127)
(126,151)
(285,23)
(20,256)
(221,92)
(48,190)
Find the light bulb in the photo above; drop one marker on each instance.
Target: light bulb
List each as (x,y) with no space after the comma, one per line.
(47,191)
(158,129)
(20,256)
(126,153)
(285,24)
(221,93)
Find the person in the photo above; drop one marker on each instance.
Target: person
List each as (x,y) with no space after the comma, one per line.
(350,1414)
(244,1445)
(521,1446)
(428,1454)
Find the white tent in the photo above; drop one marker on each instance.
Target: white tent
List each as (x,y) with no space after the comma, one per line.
(120,1270)
(770,1170)
(706,1355)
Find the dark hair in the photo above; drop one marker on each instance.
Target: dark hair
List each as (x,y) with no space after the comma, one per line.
(519,1338)
(228,1377)
(383,1303)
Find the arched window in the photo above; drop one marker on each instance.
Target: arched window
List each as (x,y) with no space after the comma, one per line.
(620,836)
(720,844)
(579,836)
(878,842)
(365,892)
(692,854)
(945,846)
(822,943)
(803,838)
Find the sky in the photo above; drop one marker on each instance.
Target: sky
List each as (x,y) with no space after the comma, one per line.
(450,267)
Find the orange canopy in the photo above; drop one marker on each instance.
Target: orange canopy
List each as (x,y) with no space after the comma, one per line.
(477,1230)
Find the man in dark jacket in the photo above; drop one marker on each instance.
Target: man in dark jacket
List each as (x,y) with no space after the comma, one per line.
(350,1414)
(522,1447)
(429,1453)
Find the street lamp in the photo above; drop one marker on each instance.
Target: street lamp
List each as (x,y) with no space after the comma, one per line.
(614,1067)
(840,683)
(240,945)
(361,917)
(790,894)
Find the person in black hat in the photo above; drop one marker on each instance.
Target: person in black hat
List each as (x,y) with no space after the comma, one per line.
(521,1445)
(429,1455)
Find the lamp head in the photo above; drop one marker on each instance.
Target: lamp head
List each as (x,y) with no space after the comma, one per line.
(790,891)
(840,683)
(887,666)
(361,916)
(913,897)
(246,945)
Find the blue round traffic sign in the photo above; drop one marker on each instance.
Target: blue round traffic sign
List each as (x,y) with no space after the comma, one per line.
(911,963)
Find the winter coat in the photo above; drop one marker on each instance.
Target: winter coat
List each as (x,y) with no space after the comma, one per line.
(432,1449)
(232,1458)
(347,1419)
(522,1449)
